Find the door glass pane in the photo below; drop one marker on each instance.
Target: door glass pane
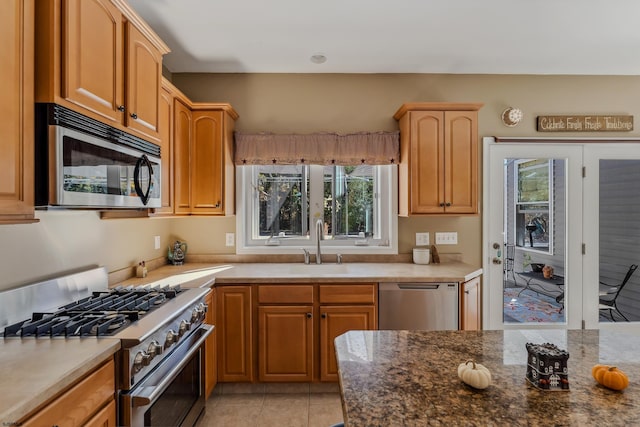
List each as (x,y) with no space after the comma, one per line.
(619,283)
(534,240)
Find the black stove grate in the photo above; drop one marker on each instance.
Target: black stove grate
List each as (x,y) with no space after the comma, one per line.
(101,314)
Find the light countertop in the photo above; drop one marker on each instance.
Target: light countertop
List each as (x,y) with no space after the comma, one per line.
(410,378)
(202,274)
(33,371)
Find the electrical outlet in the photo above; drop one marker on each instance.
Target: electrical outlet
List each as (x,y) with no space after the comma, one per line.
(450,238)
(231,239)
(422,239)
(156,242)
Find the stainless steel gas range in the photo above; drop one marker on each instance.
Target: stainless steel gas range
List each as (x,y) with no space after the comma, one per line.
(160,327)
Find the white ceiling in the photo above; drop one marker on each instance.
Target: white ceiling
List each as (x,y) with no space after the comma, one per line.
(600,37)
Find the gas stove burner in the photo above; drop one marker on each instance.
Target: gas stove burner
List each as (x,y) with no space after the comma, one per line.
(157,298)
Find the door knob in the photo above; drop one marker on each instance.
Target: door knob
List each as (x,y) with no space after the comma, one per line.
(497,261)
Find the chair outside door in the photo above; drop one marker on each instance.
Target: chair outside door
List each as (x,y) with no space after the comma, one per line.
(509,258)
(609,295)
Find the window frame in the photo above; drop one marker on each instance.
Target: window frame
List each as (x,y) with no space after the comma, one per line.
(550,208)
(386,184)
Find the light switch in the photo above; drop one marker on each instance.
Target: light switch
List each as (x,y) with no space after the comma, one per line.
(422,239)
(450,238)
(156,242)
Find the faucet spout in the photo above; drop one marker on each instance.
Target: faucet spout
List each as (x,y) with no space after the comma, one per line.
(319,236)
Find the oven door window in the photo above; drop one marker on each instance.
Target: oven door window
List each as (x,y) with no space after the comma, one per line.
(173,406)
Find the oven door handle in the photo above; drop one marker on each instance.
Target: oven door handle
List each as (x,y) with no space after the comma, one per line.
(147,395)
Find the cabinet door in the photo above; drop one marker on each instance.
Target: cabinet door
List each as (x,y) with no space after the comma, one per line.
(210,368)
(285,343)
(16,120)
(182,158)
(77,405)
(105,417)
(165,127)
(207,163)
(234,340)
(93,60)
(336,321)
(471,309)
(144,75)
(427,161)
(461,162)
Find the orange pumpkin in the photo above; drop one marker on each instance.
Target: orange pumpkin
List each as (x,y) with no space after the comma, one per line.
(610,377)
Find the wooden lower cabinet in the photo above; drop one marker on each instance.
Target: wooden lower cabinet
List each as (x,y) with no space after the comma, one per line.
(235,333)
(290,336)
(335,321)
(89,402)
(210,357)
(105,417)
(285,343)
(470,307)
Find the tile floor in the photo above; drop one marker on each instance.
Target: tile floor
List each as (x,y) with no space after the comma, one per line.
(265,405)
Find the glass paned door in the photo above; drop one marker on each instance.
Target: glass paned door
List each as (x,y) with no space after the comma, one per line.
(612,236)
(531,191)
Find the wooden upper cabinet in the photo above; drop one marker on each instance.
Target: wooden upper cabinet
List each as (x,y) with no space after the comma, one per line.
(207,162)
(100,59)
(438,170)
(144,75)
(204,169)
(181,152)
(92,57)
(165,131)
(16,120)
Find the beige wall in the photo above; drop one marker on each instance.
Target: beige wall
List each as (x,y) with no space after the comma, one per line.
(346,102)
(64,241)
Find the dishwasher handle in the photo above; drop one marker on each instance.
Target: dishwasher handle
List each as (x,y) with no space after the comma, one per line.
(420,286)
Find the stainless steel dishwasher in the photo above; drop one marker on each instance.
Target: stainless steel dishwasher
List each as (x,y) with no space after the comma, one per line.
(418,306)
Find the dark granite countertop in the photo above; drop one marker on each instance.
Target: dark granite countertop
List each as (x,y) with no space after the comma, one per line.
(409,378)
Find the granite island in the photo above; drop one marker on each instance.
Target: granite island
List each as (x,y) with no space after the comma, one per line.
(409,378)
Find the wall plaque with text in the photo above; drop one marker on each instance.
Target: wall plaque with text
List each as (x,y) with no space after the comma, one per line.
(591,123)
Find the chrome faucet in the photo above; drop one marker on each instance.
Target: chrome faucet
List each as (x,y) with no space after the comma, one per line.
(319,236)
(306,256)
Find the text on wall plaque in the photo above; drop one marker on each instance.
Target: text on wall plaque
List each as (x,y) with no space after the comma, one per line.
(585,123)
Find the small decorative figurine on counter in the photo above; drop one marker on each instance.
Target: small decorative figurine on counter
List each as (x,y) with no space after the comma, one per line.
(547,367)
(141,269)
(177,253)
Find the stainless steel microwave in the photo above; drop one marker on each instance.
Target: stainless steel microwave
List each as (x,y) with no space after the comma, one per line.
(83,163)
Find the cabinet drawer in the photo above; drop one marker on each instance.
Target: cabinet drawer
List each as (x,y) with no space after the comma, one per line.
(348,294)
(285,294)
(78,404)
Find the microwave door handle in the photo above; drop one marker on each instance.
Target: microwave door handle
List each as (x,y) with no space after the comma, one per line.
(142,162)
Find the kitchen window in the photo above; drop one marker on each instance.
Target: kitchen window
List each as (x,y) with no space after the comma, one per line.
(279,205)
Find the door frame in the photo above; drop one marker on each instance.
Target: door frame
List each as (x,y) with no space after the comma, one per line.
(493,302)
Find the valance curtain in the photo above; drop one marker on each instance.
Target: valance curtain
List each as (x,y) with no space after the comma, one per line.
(325,148)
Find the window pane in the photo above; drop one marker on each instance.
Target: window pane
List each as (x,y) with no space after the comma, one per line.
(533,181)
(283,200)
(349,201)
